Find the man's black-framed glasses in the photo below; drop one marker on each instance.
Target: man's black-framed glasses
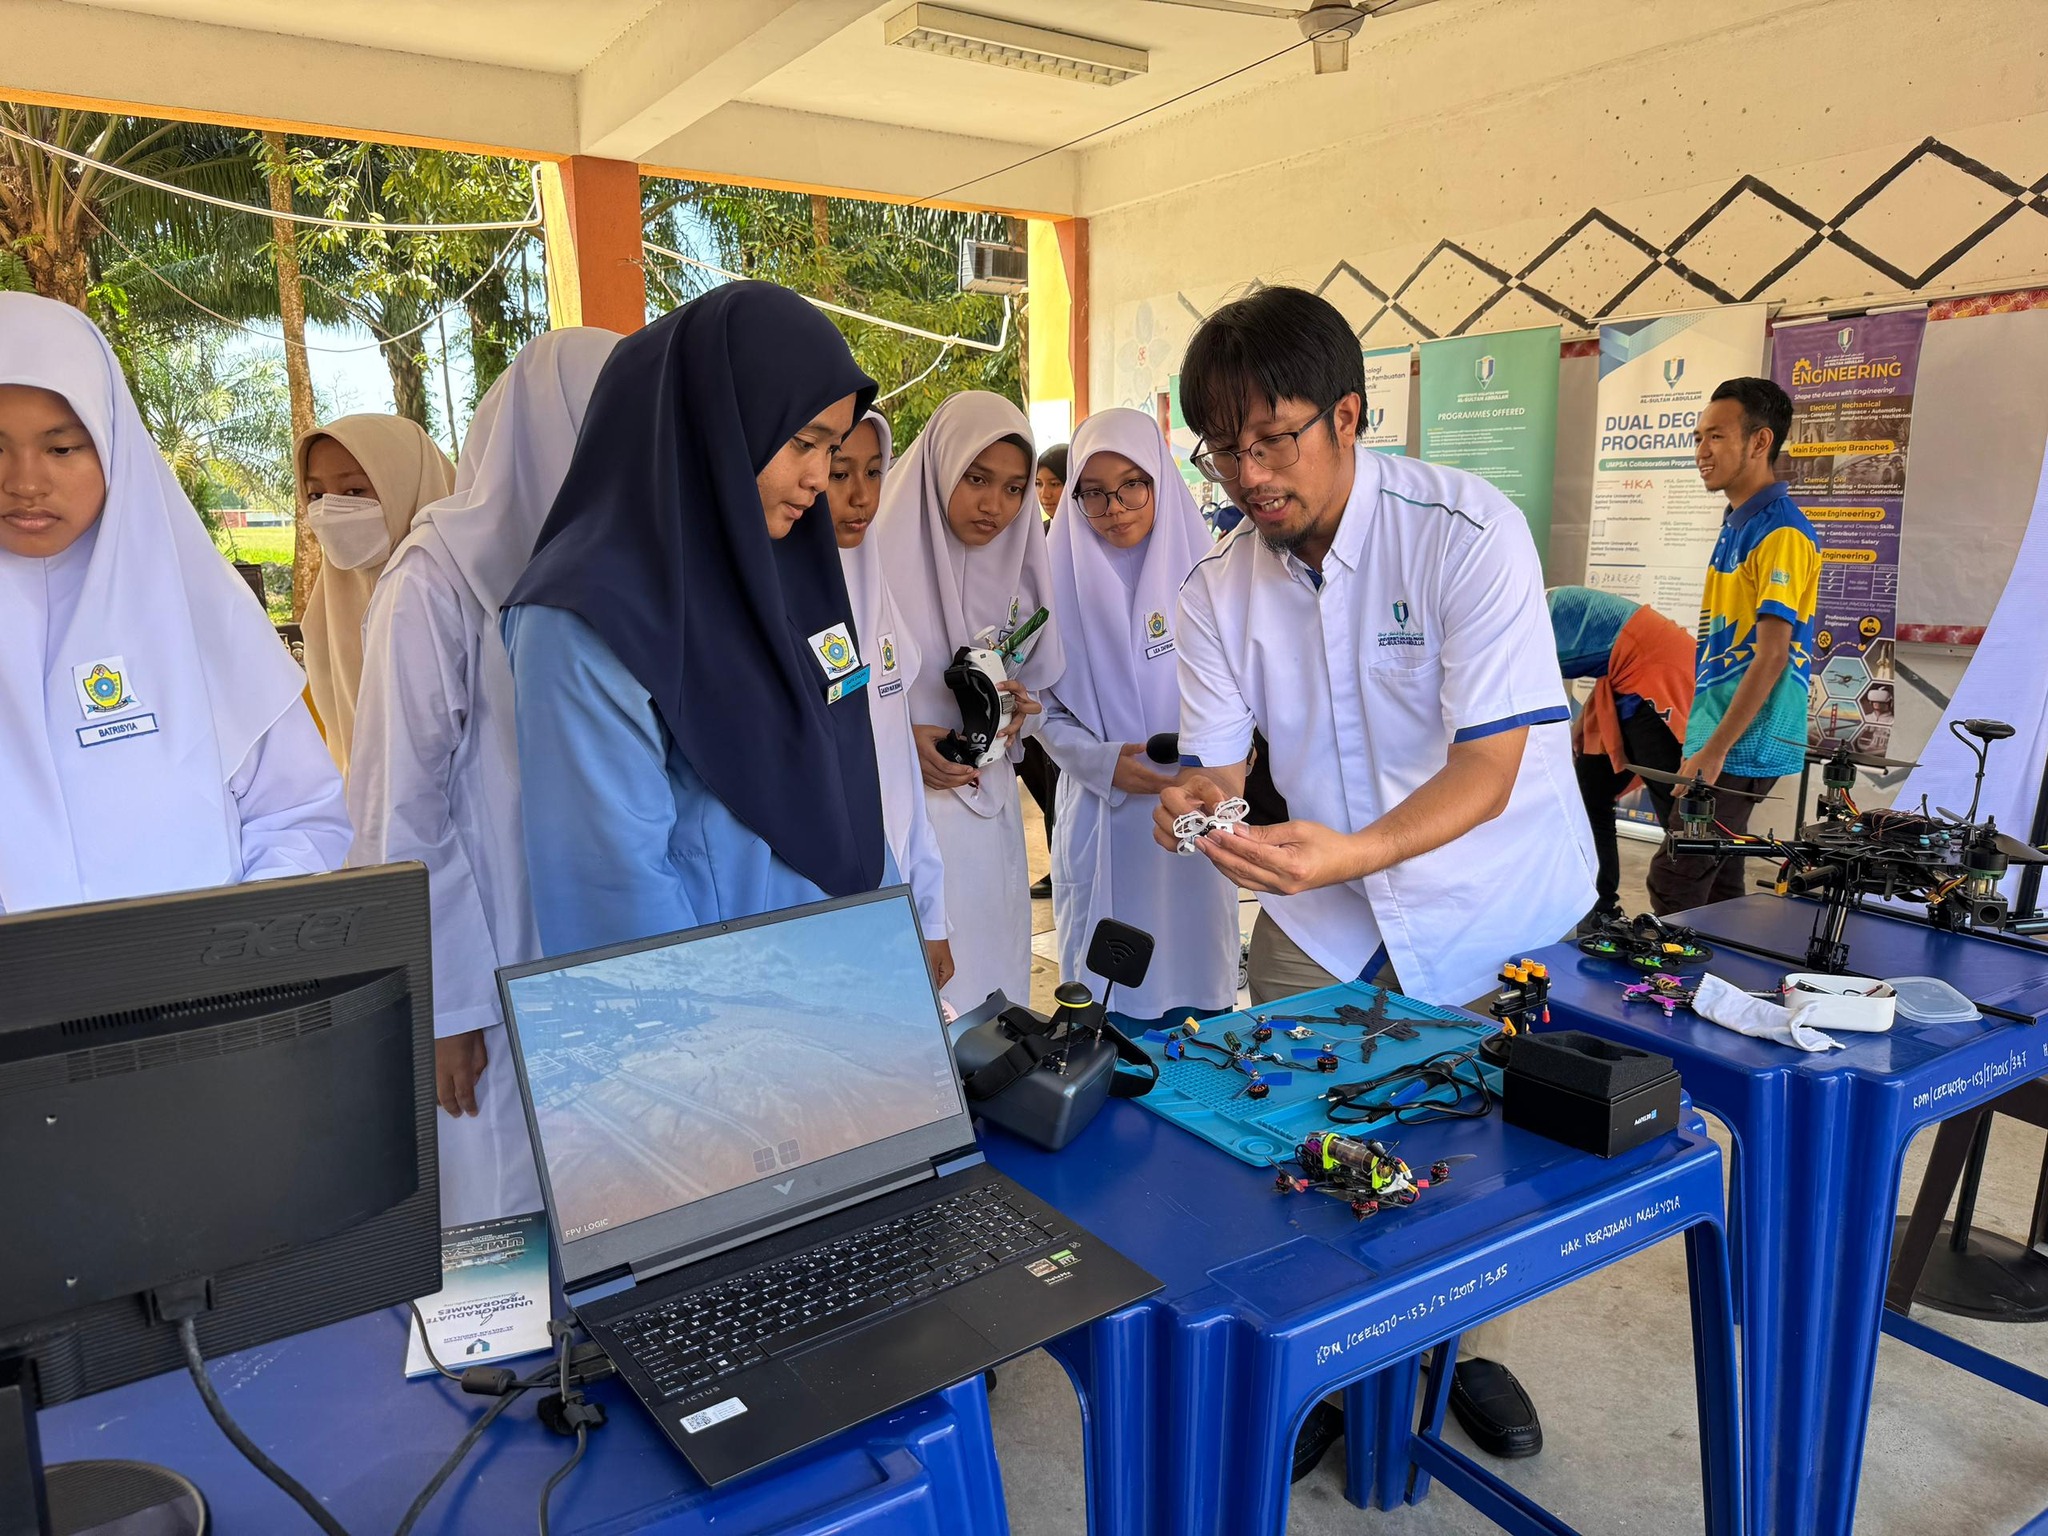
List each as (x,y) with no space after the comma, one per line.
(1276,452)
(1134,495)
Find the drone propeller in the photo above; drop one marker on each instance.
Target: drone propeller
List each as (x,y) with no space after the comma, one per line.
(1843,751)
(2017,851)
(1658,775)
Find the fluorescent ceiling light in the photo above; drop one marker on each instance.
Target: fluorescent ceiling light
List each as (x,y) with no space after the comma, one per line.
(955,34)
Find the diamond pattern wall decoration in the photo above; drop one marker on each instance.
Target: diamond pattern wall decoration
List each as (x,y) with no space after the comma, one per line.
(1908,226)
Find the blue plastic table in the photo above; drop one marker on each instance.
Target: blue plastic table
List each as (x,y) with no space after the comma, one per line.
(1192,1399)
(332,1409)
(1819,1143)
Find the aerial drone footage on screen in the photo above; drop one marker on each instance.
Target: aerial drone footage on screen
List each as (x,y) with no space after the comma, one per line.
(630,1060)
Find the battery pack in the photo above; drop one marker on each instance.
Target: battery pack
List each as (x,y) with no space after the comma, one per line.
(1589,1093)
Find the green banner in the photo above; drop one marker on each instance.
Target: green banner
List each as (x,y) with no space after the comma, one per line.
(1489,405)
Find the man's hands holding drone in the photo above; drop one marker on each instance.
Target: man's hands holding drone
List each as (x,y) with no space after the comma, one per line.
(1205,813)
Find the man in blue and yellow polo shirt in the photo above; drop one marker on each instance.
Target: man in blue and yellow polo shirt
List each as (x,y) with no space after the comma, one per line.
(1748,723)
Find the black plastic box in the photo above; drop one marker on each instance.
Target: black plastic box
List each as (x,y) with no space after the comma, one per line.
(1587,1092)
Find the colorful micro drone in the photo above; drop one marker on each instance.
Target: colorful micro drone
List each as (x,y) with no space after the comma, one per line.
(1666,991)
(1192,826)
(1364,1174)
(1647,943)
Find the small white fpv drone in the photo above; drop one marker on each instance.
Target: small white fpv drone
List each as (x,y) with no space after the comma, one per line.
(1192,826)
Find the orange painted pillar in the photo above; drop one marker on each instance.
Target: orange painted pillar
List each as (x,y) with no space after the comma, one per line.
(1073,238)
(590,215)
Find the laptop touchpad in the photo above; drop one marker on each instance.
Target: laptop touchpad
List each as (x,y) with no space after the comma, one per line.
(894,1360)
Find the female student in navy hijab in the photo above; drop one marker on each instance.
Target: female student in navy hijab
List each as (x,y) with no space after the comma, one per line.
(152,736)
(693,734)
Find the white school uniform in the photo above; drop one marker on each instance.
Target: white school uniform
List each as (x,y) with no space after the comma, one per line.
(893,664)
(152,735)
(434,765)
(1120,686)
(945,595)
(1426,626)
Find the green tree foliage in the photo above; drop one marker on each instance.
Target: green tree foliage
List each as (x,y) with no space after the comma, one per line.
(893,260)
(394,283)
(220,416)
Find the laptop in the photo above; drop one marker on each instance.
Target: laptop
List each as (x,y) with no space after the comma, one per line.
(763,1185)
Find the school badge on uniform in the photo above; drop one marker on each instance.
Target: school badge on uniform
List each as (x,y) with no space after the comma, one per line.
(891,684)
(103,687)
(835,651)
(888,653)
(1155,631)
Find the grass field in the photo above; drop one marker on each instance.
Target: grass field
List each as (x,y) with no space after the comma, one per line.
(265,546)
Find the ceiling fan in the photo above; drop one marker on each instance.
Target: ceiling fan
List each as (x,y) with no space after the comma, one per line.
(1329,25)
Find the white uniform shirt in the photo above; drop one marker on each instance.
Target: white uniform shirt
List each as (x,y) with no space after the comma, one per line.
(1427,626)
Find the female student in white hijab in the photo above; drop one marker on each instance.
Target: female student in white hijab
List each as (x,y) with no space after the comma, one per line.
(854,492)
(1117,569)
(959,561)
(152,736)
(434,763)
(366,476)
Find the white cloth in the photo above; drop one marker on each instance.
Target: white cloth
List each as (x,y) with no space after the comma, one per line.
(434,770)
(945,595)
(1428,627)
(220,790)
(893,663)
(2005,680)
(1732,1008)
(1120,686)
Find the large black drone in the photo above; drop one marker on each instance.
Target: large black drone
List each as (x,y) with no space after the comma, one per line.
(1951,863)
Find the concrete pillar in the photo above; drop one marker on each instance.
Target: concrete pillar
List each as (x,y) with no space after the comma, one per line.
(1057,266)
(590,215)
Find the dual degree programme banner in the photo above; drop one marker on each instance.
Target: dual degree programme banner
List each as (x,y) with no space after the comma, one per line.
(1653,523)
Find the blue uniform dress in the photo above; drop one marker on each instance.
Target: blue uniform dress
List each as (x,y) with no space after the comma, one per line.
(623,839)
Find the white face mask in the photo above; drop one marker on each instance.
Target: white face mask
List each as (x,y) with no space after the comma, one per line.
(350,529)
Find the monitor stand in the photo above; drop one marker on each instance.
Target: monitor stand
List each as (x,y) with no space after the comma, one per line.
(80,1498)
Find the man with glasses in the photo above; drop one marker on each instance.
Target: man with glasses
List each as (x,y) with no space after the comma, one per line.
(1382,622)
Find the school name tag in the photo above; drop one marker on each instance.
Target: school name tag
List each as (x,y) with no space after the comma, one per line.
(116,730)
(853,682)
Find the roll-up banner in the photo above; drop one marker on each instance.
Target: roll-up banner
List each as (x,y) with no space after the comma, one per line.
(1654,524)
(1851,383)
(1489,405)
(1388,373)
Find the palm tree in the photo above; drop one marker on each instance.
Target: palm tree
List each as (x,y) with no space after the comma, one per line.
(55,211)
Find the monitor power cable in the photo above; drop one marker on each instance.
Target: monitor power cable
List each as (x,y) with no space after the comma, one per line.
(195,1363)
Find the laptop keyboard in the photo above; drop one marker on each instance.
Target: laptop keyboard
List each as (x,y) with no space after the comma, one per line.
(692,1340)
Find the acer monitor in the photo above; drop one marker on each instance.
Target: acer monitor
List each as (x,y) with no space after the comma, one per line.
(217,1107)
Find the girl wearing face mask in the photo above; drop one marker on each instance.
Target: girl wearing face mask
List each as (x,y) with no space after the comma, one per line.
(152,735)
(693,737)
(1128,537)
(960,560)
(434,765)
(855,493)
(365,477)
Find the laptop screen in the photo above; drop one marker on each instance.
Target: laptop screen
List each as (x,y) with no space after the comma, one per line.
(682,1070)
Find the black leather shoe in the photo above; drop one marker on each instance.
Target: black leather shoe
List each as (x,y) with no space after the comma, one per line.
(1325,1427)
(1041,888)
(1494,1410)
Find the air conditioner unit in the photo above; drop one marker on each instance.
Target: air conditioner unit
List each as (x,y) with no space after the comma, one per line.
(986,267)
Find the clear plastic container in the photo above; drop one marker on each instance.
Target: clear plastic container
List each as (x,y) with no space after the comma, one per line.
(1930,1000)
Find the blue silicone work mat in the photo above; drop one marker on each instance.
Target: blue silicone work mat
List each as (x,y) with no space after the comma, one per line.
(1202,1095)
